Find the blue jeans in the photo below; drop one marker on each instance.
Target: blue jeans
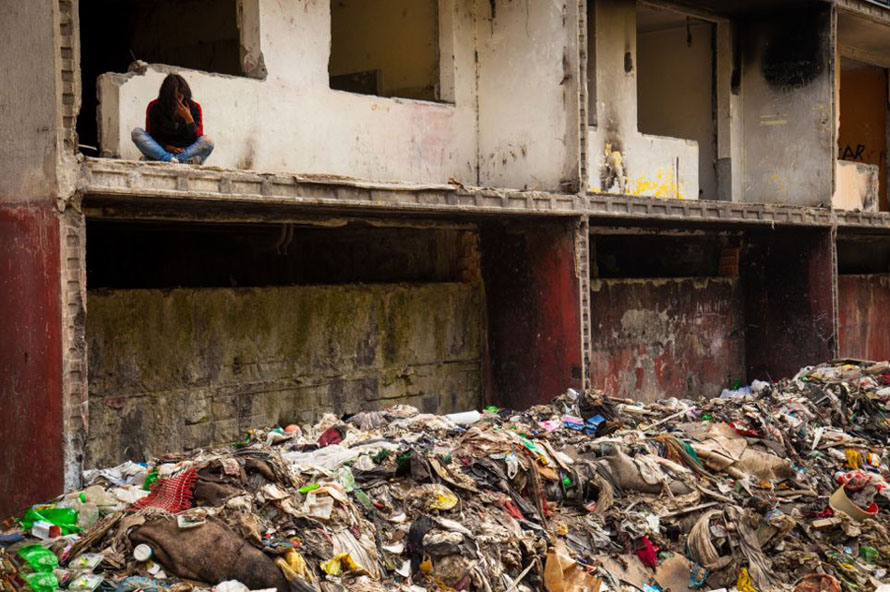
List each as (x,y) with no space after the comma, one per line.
(197,153)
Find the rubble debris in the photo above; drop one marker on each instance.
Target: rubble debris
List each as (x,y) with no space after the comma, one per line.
(771,487)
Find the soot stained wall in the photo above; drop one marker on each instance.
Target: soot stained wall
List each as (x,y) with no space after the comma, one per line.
(789,310)
(148,255)
(195,367)
(534,318)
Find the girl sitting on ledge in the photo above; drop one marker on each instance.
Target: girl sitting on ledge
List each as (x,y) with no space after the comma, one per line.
(174,126)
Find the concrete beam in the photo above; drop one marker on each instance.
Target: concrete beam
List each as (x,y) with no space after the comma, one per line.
(868,8)
(712,212)
(134,180)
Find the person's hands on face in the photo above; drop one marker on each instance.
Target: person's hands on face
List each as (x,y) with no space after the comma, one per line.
(183,110)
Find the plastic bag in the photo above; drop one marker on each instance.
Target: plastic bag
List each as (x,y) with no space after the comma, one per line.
(39,558)
(337,564)
(41,582)
(64,518)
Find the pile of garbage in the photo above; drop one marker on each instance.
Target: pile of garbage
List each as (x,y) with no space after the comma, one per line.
(776,486)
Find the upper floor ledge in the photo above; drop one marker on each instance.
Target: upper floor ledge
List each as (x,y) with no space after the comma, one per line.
(127,180)
(877,10)
(134,179)
(680,211)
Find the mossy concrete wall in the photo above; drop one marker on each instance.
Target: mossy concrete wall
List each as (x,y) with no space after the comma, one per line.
(185,368)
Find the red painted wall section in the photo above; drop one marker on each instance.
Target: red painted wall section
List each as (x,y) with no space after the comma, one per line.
(533,310)
(656,338)
(863,308)
(30,357)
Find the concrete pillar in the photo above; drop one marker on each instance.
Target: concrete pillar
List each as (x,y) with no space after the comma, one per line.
(30,357)
(31,402)
(532,285)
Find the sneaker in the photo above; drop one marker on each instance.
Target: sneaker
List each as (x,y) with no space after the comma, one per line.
(174,160)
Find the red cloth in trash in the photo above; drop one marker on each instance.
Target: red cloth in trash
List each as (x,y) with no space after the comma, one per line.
(173,495)
(332,435)
(646,552)
(511,508)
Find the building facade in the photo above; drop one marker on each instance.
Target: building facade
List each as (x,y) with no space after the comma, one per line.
(445,203)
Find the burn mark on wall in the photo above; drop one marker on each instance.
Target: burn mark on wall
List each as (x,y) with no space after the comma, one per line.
(789,310)
(796,47)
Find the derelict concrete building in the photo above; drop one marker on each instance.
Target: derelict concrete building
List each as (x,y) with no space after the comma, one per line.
(445,203)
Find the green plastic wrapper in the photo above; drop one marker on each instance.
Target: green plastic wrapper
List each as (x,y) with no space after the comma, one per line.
(869,554)
(64,518)
(41,582)
(309,487)
(39,558)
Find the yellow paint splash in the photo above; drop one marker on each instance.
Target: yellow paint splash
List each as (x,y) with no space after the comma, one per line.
(664,185)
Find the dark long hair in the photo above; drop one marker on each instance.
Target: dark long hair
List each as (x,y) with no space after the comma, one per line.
(172,85)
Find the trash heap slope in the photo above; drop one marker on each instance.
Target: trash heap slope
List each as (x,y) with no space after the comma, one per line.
(770,487)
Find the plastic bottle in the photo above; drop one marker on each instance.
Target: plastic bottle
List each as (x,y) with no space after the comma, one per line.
(87,513)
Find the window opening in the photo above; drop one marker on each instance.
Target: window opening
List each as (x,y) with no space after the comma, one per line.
(675,83)
(862,136)
(196,34)
(388,48)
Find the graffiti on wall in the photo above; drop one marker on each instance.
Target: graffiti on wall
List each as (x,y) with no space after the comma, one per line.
(614,178)
(848,153)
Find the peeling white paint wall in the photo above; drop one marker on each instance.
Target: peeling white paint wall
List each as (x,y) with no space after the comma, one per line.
(857,187)
(528,94)
(293,122)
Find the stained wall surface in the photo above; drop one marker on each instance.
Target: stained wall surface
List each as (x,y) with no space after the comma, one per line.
(652,338)
(528,95)
(30,135)
(788,112)
(193,367)
(30,357)
(532,288)
(863,302)
(789,309)
(31,370)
